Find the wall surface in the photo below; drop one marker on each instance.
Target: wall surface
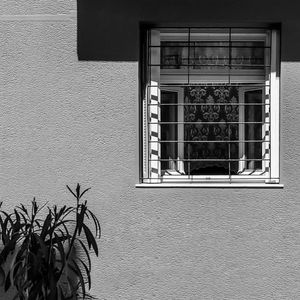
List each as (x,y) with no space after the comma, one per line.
(65,120)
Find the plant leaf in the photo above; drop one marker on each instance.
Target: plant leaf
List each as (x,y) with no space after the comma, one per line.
(97,224)
(86,252)
(57,239)
(23,217)
(7,282)
(78,191)
(46,225)
(90,239)
(84,192)
(87,271)
(80,218)
(71,191)
(42,244)
(24,209)
(78,273)
(2,276)
(8,247)
(59,246)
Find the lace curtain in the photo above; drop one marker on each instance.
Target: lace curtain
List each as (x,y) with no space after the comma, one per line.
(212,137)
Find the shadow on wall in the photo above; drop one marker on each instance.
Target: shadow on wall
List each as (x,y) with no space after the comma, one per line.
(109,30)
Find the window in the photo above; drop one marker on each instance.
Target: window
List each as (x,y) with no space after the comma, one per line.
(211,105)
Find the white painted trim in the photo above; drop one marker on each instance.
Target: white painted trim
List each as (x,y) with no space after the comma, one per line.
(41,17)
(180,119)
(210,185)
(173,76)
(242,109)
(154,130)
(242,163)
(145,134)
(275,107)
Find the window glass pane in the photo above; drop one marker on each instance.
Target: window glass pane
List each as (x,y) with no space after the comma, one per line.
(168,131)
(253,130)
(249,34)
(210,35)
(216,117)
(209,57)
(174,56)
(209,48)
(174,34)
(254,56)
(211,140)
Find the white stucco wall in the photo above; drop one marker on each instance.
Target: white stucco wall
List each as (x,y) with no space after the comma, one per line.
(65,121)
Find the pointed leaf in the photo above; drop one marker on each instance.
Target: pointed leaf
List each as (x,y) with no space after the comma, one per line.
(46,225)
(61,250)
(97,224)
(87,271)
(71,191)
(23,216)
(90,239)
(61,211)
(17,217)
(34,206)
(84,192)
(7,282)
(78,191)
(80,218)
(24,209)
(2,276)
(41,243)
(74,267)
(86,252)
(57,239)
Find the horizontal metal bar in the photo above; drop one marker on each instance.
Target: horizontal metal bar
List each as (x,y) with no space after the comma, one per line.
(217,123)
(209,104)
(219,177)
(212,159)
(207,46)
(195,181)
(265,28)
(208,65)
(212,141)
(206,84)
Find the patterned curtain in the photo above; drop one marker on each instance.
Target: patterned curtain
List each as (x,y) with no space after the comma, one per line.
(208,139)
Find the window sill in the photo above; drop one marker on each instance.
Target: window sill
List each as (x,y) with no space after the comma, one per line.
(211,185)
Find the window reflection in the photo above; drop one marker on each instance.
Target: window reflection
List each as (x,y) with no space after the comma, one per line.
(207,55)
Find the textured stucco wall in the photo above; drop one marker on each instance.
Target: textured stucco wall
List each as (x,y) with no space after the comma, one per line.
(65,121)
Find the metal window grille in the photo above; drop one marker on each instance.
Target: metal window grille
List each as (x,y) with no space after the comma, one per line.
(208,105)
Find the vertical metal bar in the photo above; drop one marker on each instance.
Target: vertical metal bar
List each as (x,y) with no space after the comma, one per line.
(147,100)
(148,136)
(267,111)
(229,156)
(154,112)
(180,135)
(241,129)
(230,54)
(189,53)
(270,108)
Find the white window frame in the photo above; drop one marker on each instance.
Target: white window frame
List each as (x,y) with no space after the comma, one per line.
(270,171)
(265,144)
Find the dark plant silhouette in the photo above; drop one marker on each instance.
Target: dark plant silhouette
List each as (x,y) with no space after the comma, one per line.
(48,258)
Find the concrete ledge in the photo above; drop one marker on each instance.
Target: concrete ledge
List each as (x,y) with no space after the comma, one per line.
(40,17)
(210,185)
